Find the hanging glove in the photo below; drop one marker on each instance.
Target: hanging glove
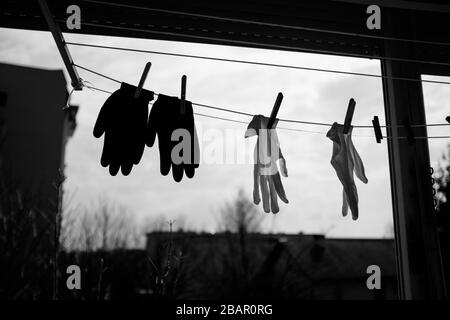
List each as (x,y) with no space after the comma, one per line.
(123,120)
(265,169)
(181,153)
(345,160)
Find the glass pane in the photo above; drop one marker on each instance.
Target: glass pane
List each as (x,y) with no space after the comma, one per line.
(219,244)
(437,108)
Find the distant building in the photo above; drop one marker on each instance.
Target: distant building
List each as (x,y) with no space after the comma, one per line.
(34,130)
(278,266)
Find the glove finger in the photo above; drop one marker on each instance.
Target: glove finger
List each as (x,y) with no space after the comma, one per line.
(138,152)
(164,153)
(256,196)
(105,159)
(177,172)
(138,144)
(100,123)
(139,137)
(189,170)
(114,168)
(152,125)
(279,187)
(283,167)
(126,168)
(273,196)
(115,153)
(127,146)
(125,149)
(187,122)
(105,116)
(196,151)
(151,135)
(265,193)
(344,203)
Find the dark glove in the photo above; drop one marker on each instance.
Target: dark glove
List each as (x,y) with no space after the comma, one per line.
(265,170)
(123,120)
(177,137)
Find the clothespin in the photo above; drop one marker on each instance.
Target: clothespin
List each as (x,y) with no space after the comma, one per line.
(408,130)
(183,93)
(448,119)
(273,116)
(377,129)
(275,109)
(349,115)
(141,82)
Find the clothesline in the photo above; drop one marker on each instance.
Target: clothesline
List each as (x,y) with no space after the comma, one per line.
(250,115)
(216,117)
(259,23)
(278,127)
(266,64)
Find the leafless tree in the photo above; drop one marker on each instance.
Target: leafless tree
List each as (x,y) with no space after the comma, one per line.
(101,225)
(442,179)
(238,219)
(240,216)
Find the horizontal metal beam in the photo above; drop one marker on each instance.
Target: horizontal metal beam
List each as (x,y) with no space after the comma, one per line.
(404,4)
(321,26)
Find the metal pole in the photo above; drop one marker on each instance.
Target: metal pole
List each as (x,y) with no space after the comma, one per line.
(60,44)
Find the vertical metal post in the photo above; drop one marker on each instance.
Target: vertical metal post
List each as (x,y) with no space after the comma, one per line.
(419,266)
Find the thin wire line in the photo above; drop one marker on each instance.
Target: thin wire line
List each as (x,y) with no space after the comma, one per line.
(101,90)
(246,123)
(215,117)
(283,128)
(324,133)
(266,64)
(434,137)
(97,73)
(227,60)
(251,115)
(245,21)
(258,44)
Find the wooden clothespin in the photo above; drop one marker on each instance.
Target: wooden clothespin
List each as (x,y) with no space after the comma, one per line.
(183,93)
(141,82)
(377,129)
(448,119)
(275,109)
(349,115)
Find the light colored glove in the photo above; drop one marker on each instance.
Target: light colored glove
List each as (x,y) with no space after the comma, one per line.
(345,159)
(265,170)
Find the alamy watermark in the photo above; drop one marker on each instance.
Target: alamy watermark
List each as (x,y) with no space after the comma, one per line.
(374,280)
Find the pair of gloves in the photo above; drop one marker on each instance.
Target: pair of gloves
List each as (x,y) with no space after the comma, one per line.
(127,128)
(266,177)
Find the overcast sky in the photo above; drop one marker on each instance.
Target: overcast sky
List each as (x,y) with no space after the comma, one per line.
(314,192)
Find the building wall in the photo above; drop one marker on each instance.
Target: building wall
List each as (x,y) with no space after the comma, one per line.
(35,129)
(33,133)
